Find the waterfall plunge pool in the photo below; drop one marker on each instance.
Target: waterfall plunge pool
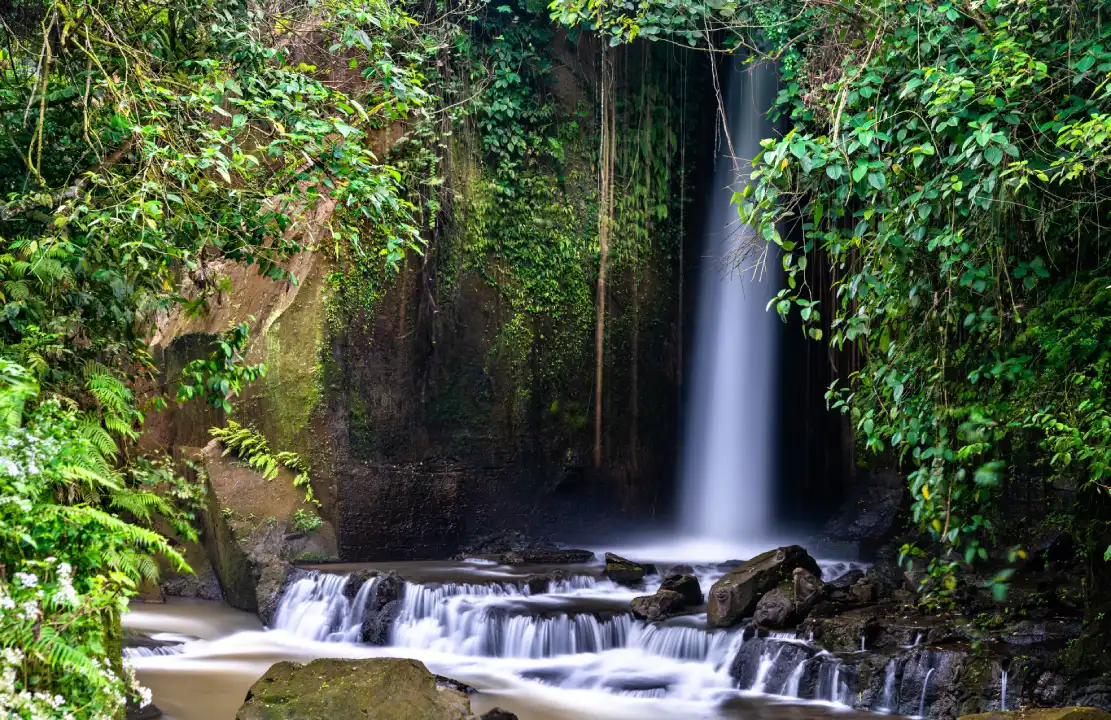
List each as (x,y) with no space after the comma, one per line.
(573,652)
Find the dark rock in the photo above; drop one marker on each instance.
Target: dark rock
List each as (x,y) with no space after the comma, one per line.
(546,557)
(376,625)
(355,581)
(871,515)
(622,571)
(865,591)
(846,581)
(686,585)
(377,689)
(807,589)
(273,579)
(498,714)
(662,605)
(134,712)
(1072,713)
(1049,689)
(735,595)
(537,584)
(776,610)
(745,665)
(679,570)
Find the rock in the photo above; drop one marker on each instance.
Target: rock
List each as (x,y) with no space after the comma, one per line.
(1072,713)
(846,581)
(546,557)
(355,581)
(149,712)
(498,714)
(377,689)
(542,583)
(735,595)
(382,606)
(865,591)
(745,665)
(679,570)
(807,589)
(776,610)
(660,606)
(622,571)
(1049,689)
(686,585)
(247,520)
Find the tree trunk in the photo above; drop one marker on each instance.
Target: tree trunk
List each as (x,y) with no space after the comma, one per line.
(605,217)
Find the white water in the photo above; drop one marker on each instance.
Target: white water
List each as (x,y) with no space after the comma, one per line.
(889,686)
(1003,693)
(728,451)
(922,702)
(574,652)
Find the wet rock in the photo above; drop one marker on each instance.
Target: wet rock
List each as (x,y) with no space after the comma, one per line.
(846,581)
(355,581)
(498,714)
(383,604)
(134,712)
(735,595)
(865,591)
(1071,713)
(785,658)
(776,610)
(624,572)
(684,584)
(807,588)
(662,605)
(542,583)
(679,570)
(377,689)
(1049,689)
(273,579)
(546,557)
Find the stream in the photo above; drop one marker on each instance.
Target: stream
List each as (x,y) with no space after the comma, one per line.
(573,652)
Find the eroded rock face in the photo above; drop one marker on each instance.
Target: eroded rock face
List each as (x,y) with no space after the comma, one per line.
(736,594)
(776,610)
(660,606)
(377,689)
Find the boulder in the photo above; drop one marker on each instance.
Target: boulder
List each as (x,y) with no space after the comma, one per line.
(1071,713)
(383,604)
(330,689)
(542,583)
(679,570)
(624,572)
(247,530)
(735,595)
(776,610)
(686,585)
(355,582)
(498,714)
(546,557)
(662,605)
(865,591)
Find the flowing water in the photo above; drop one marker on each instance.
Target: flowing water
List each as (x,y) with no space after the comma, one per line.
(728,450)
(573,652)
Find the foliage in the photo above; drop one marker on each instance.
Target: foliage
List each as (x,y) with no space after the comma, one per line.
(305,522)
(251,447)
(68,567)
(949,167)
(223,374)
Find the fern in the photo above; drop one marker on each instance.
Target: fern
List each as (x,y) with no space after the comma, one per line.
(252,449)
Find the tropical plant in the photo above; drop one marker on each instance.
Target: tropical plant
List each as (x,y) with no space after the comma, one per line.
(250,446)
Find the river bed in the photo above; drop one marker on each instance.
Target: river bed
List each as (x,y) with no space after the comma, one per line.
(574,652)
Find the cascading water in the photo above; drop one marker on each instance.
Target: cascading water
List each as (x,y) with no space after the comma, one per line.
(728,449)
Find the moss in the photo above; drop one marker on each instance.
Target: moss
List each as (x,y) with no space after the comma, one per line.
(379,689)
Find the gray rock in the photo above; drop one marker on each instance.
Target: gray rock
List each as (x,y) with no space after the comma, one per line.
(686,585)
(662,605)
(735,595)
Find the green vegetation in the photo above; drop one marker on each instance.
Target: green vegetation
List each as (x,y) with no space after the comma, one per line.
(251,447)
(944,170)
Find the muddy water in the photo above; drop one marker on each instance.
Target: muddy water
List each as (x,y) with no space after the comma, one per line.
(574,653)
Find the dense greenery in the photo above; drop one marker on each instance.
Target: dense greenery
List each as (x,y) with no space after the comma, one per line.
(944,167)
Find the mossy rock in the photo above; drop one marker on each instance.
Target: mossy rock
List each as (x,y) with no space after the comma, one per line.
(735,595)
(376,689)
(1069,713)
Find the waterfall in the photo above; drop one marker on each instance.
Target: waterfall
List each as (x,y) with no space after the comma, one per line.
(315,607)
(922,702)
(889,686)
(1003,693)
(728,463)
(791,687)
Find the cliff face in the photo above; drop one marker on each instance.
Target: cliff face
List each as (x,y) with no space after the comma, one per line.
(454,398)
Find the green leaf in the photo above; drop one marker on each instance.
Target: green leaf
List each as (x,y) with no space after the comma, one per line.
(993,154)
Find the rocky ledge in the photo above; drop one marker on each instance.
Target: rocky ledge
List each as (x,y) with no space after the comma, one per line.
(377,689)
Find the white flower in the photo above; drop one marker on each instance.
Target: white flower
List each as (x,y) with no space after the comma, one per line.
(27,580)
(31,610)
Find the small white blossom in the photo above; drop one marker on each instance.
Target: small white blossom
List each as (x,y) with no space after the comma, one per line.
(27,580)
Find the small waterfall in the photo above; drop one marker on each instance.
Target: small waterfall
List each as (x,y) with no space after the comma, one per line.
(767,662)
(889,674)
(1003,692)
(791,687)
(315,607)
(728,453)
(157,651)
(862,644)
(922,702)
